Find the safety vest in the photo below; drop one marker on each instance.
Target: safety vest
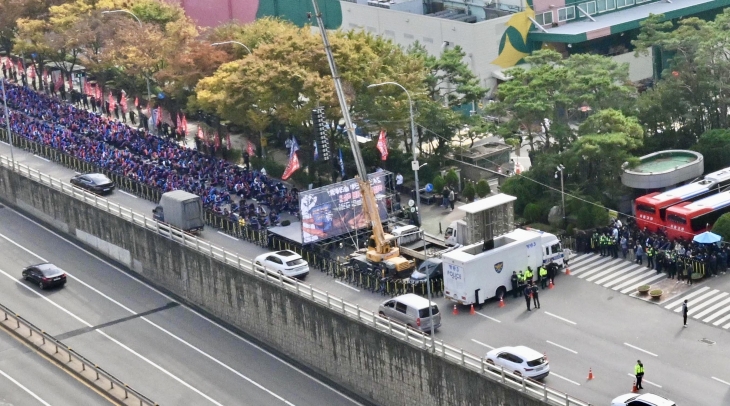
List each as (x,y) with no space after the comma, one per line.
(543,271)
(528,274)
(638,369)
(650,252)
(521,277)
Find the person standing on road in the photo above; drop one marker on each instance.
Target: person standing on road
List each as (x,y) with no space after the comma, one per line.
(528,275)
(535,297)
(624,246)
(650,257)
(528,293)
(543,275)
(639,372)
(452,199)
(399,183)
(685,310)
(639,254)
(514,281)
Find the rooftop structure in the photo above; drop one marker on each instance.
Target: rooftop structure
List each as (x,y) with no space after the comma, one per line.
(663,169)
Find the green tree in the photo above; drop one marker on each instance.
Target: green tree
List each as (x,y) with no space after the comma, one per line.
(533,213)
(469,192)
(714,145)
(438,183)
(722,227)
(452,178)
(483,188)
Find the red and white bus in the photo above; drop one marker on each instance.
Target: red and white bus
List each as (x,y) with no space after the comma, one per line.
(691,218)
(651,209)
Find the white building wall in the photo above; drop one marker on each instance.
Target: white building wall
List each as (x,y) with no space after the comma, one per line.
(640,67)
(480,41)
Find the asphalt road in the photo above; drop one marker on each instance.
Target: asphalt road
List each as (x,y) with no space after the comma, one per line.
(28,379)
(581,326)
(159,347)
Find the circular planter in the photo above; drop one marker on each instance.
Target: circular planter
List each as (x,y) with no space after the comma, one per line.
(697,276)
(643,289)
(655,294)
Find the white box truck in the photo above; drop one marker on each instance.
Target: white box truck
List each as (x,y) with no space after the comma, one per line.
(477,272)
(181,209)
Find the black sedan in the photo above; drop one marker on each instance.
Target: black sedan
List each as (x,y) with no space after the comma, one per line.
(94,182)
(45,275)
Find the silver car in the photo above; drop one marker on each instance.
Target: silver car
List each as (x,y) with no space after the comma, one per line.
(411,310)
(283,262)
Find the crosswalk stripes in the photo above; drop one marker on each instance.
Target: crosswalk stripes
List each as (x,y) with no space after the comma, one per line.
(706,304)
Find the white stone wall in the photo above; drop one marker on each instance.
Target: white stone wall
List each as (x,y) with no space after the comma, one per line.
(640,67)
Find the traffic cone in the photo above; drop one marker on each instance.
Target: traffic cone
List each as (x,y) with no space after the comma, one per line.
(550,285)
(634,389)
(472,311)
(501,301)
(567,271)
(456,311)
(590,373)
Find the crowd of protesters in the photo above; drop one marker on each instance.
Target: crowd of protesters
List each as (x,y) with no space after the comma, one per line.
(161,163)
(678,258)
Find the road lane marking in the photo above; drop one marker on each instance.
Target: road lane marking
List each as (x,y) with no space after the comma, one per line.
(87,324)
(168,297)
(482,344)
(640,349)
(645,381)
(690,296)
(3,142)
(490,318)
(40,157)
(721,381)
(564,378)
(700,299)
(127,193)
(347,286)
(28,391)
(226,235)
(560,318)
(560,346)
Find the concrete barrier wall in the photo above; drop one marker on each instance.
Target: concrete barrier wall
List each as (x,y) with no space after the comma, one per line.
(378,367)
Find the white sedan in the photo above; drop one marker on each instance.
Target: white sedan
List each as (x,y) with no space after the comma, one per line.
(520,360)
(283,262)
(647,399)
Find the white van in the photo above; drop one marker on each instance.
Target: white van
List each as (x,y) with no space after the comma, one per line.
(411,310)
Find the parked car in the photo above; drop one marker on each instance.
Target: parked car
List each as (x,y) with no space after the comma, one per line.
(411,310)
(520,360)
(94,182)
(283,262)
(431,268)
(645,399)
(45,275)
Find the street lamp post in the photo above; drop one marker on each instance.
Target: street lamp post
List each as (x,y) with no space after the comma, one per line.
(414,163)
(146,78)
(560,169)
(231,42)
(7,125)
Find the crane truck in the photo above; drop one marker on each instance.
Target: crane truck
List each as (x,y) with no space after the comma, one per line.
(382,251)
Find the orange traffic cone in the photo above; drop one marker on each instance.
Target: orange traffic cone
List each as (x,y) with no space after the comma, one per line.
(567,271)
(590,373)
(501,301)
(456,311)
(472,311)
(550,285)
(634,389)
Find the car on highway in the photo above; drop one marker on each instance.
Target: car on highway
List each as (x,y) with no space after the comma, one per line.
(45,275)
(412,310)
(284,262)
(645,399)
(520,361)
(431,268)
(94,182)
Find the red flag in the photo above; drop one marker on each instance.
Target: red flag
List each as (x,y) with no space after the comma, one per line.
(111,101)
(59,82)
(383,145)
(291,166)
(70,84)
(178,124)
(228,141)
(159,115)
(184,125)
(87,89)
(250,149)
(217,140)
(99,95)
(136,101)
(200,133)
(123,104)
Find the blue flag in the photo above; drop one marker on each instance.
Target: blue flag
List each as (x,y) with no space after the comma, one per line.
(342,165)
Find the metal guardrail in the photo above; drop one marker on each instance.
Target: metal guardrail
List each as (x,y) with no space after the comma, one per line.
(397,330)
(71,359)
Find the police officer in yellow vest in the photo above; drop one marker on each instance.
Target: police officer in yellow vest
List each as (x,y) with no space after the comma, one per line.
(520,282)
(543,275)
(528,275)
(639,372)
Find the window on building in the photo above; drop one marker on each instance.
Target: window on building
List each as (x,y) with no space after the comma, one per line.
(589,7)
(566,13)
(544,18)
(629,2)
(620,3)
(601,5)
(610,4)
